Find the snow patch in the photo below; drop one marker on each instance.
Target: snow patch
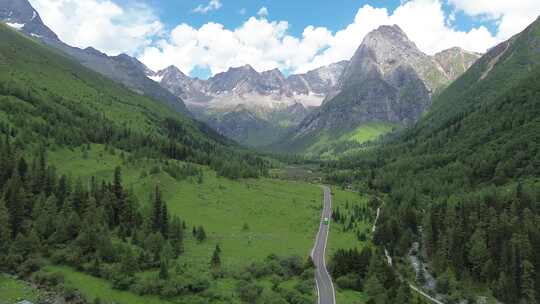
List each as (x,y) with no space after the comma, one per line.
(156,78)
(18,26)
(34,15)
(35,35)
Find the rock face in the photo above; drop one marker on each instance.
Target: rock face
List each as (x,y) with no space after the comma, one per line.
(124,69)
(456,61)
(21,15)
(387,80)
(266,103)
(319,81)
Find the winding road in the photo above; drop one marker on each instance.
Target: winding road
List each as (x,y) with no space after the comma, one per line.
(325,288)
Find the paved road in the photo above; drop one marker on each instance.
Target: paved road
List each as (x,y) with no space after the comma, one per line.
(325,288)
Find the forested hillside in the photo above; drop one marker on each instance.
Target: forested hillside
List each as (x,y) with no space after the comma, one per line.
(50,100)
(464,181)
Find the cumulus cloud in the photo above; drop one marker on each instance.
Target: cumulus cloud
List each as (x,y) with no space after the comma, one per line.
(512,16)
(102,24)
(213,5)
(263,44)
(263,12)
(267,44)
(424,21)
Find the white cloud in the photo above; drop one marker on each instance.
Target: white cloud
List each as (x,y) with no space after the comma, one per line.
(263,12)
(133,28)
(259,42)
(100,23)
(512,16)
(266,44)
(213,5)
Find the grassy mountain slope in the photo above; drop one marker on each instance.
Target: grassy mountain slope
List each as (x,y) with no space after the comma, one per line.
(464,180)
(334,144)
(52,99)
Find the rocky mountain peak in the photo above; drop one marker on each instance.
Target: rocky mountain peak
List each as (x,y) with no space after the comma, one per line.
(172,72)
(93,51)
(21,15)
(386,38)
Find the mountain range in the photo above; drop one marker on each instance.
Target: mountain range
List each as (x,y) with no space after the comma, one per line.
(388,81)
(251,107)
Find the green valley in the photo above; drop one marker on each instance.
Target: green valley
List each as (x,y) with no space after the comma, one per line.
(217,162)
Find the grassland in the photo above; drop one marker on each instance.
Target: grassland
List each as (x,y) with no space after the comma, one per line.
(92,288)
(329,144)
(13,290)
(281,216)
(249,219)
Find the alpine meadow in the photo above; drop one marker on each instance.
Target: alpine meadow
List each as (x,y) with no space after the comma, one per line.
(315,152)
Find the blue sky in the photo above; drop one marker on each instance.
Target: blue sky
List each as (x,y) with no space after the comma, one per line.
(292,35)
(333,15)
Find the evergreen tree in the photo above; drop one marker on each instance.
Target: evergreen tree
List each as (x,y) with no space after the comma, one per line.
(176,236)
(216,260)
(157,211)
(5,229)
(165,221)
(163,270)
(128,263)
(528,290)
(200,234)
(478,252)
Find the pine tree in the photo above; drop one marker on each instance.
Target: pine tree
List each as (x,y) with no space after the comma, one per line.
(404,294)
(165,221)
(478,253)
(216,260)
(45,219)
(118,192)
(157,209)
(5,229)
(201,234)
(16,202)
(128,263)
(528,291)
(176,236)
(163,270)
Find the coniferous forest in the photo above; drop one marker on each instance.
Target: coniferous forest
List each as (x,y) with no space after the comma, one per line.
(415,180)
(463,182)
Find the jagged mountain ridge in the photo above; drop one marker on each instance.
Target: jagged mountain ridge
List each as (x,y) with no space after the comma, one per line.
(270,101)
(388,80)
(123,69)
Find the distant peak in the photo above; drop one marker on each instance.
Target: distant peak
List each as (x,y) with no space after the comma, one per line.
(456,50)
(245,67)
(387,36)
(390,31)
(172,69)
(94,51)
(274,71)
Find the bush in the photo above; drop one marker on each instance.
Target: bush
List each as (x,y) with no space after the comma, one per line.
(29,266)
(146,286)
(350,281)
(122,281)
(198,285)
(249,292)
(305,287)
(46,279)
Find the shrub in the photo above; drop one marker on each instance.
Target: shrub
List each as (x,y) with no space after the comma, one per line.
(249,292)
(46,279)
